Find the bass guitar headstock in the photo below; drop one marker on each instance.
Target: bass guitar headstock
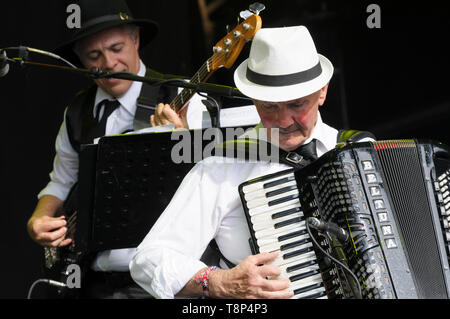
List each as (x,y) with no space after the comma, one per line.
(227,50)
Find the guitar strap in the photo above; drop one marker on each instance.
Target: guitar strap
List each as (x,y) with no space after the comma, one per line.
(80,119)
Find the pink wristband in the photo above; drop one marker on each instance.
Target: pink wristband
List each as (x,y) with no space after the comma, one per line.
(203,278)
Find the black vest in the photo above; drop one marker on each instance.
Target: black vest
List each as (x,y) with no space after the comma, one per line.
(79,116)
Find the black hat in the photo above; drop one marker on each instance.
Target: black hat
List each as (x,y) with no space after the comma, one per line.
(99,15)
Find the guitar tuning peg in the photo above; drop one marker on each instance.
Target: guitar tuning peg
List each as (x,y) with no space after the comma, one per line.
(245,14)
(256,7)
(227,27)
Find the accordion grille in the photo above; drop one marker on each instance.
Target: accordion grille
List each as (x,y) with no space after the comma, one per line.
(403,175)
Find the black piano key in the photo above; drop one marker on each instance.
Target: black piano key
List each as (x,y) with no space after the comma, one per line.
(294,244)
(292,235)
(304,275)
(300,266)
(307,288)
(316,295)
(286,212)
(281,190)
(288,222)
(282,200)
(279,181)
(297,252)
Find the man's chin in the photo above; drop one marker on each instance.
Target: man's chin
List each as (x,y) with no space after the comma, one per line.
(115,88)
(290,144)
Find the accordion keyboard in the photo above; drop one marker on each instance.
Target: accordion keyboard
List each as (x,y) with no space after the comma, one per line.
(279,225)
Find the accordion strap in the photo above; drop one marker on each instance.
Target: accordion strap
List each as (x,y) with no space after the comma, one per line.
(345,136)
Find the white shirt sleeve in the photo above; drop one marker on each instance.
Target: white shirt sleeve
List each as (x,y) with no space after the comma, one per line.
(161,265)
(65,166)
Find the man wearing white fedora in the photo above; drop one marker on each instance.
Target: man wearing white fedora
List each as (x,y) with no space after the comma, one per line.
(288,81)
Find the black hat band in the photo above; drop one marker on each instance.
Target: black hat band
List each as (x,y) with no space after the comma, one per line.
(107,18)
(287,79)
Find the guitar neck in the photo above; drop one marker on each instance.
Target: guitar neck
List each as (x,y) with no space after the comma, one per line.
(185,95)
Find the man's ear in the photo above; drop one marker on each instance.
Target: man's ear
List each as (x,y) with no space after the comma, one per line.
(323,94)
(136,38)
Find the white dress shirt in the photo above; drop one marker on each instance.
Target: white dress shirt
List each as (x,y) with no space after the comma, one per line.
(206,206)
(65,164)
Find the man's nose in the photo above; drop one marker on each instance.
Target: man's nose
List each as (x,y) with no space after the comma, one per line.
(284,118)
(109,61)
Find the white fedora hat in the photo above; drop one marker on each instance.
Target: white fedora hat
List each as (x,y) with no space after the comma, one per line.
(283,65)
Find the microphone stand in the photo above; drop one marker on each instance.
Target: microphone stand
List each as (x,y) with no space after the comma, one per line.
(165,80)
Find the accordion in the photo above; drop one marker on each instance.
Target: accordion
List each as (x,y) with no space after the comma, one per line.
(391,197)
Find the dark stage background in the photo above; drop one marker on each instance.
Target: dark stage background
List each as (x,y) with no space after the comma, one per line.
(391,81)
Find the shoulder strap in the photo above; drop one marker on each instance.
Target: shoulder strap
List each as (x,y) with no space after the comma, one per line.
(353,135)
(80,120)
(149,98)
(79,117)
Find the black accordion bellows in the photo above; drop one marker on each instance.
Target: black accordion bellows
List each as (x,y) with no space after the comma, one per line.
(404,176)
(393,199)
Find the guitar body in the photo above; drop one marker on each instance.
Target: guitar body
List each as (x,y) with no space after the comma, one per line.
(67,264)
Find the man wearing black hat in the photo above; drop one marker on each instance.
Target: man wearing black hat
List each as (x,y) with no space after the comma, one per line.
(109,39)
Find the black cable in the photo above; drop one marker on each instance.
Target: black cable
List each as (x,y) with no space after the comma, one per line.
(334,259)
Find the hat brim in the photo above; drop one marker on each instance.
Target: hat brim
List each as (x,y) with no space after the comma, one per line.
(148,30)
(282,93)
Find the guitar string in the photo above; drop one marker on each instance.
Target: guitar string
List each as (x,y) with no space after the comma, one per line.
(212,59)
(203,71)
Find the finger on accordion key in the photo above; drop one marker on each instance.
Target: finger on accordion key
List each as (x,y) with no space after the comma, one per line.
(291,255)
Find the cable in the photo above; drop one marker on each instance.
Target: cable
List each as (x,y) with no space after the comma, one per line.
(47,281)
(334,259)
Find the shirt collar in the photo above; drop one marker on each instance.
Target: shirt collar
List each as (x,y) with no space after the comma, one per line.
(324,134)
(321,132)
(128,100)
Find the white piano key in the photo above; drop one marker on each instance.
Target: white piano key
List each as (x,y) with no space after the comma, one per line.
(266,209)
(260,185)
(265,200)
(282,261)
(304,258)
(271,231)
(277,245)
(273,238)
(310,293)
(305,282)
(260,225)
(263,191)
(304,270)
(268,215)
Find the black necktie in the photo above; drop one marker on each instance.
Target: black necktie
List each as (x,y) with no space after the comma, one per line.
(308,151)
(99,129)
(303,155)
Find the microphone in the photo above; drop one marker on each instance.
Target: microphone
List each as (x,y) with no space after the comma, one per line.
(56,283)
(329,227)
(4,65)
